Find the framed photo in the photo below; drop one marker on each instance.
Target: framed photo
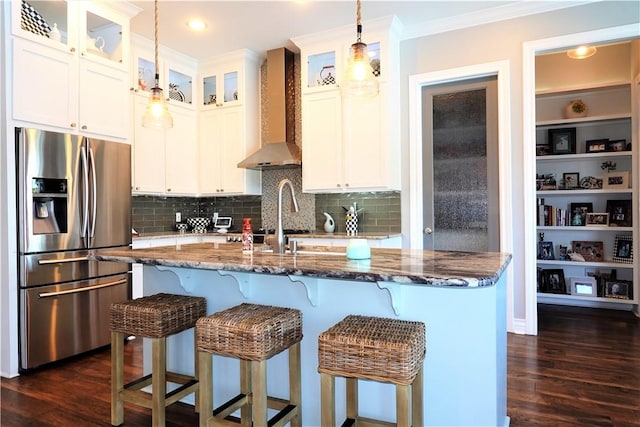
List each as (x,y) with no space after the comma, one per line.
(546,182)
(623,248)
(563,141)
(571,180)
(563,253)
(619,213)
(543,150)
(617,145)
(590,183)
(621,289)
(596,145)
(553,281)
(616,180)
(597,219)
(545,250)
(579,212)
(584,286)
(591,251)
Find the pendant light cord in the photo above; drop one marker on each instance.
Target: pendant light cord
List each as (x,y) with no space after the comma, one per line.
(155,19)
(358,22)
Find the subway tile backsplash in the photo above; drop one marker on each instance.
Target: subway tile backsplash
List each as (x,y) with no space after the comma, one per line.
(381,210)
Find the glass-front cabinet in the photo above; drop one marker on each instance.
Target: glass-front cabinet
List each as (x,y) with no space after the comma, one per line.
(88,28)
(220,86)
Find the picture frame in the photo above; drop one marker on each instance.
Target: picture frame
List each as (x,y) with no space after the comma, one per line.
(562,140)
(597,219)
(616,179)
(563,253)
(591,251)
(619,213)
(546,182)
(543,150)
(620,289)
(617,145)
(623,248)
(590,183)
(579,213)
(584,286)
(553,281)
(571,180)
(545,251)
(596,145)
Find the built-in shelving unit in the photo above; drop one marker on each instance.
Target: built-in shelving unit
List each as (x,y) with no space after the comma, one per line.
(587,259)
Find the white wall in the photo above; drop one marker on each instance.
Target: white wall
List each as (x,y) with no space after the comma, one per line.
(498,42)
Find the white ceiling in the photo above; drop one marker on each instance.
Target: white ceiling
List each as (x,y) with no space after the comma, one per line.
(264,25)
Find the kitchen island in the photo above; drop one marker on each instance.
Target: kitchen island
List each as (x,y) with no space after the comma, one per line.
(461,297)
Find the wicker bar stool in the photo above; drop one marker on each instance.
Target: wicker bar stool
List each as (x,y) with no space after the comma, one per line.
(252,333)
(378,349)
(155,317)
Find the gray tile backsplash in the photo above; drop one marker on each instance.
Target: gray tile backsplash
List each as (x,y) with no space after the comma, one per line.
(381,210)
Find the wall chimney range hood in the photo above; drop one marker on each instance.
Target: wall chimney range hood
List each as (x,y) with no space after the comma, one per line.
(279,150)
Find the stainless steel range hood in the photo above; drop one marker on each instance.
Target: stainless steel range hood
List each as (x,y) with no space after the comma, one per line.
(279,150)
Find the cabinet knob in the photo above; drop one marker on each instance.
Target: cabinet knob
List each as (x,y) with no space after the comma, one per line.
(346,185)
(338,185)
(73,125)
(168,189)
(84,127)
(137,188)
(73,49)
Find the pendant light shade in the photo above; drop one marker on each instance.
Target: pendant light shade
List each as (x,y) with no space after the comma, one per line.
(359,80)
(157,115)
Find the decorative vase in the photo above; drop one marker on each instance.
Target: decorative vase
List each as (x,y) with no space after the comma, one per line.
(575,109)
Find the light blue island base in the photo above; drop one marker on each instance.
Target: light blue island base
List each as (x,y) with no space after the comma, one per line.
(464,369)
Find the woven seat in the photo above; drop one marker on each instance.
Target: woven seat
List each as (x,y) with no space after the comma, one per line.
(155,317)
(252,333)
(378,349)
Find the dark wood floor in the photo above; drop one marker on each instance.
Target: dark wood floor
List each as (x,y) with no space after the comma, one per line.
(583,369)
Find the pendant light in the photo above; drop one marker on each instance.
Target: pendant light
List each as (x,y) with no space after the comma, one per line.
(359,79)
(157,115)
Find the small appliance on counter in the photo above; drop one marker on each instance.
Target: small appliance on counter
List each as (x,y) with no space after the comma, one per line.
(222,224)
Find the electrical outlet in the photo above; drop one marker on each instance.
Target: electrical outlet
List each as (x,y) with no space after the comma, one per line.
(178,217)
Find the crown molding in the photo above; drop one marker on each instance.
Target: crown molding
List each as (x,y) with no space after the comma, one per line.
(486,16)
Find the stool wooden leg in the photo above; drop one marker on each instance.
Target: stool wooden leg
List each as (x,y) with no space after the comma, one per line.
(205,373)
(327,400)
(158,380)
(196,374)
(259,392)
(402,405)
(295,383)
(352,398)
(245,388)
(117,378)
(416,399)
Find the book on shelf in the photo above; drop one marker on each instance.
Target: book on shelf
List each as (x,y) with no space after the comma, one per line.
(552,216)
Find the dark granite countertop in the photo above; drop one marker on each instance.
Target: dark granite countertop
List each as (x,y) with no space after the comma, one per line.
(436,268)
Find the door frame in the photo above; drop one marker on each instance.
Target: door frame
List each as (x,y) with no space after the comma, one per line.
(417,82)
(529,51)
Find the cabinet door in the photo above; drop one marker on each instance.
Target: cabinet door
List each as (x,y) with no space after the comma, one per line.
(232,151)
(44,85)
(104,100)
(363,145)
(211,123)
(321,141)
(148,154)
(181,159)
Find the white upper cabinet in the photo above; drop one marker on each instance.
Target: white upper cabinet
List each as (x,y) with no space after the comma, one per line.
(73,55)
(350,144)
(229,124)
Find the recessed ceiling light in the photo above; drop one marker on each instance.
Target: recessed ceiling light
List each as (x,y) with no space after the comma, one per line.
(196,24)
(581,52)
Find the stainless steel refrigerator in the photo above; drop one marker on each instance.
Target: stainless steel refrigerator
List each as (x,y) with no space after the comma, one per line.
(74,196)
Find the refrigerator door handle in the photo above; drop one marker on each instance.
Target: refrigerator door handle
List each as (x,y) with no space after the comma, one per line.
(85,289)
(60,261)
(85,189)
(94,196)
